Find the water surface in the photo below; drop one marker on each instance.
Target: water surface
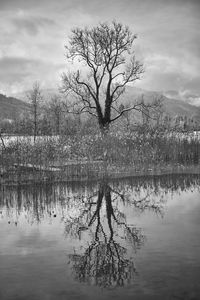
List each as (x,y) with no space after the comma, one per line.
(130,239)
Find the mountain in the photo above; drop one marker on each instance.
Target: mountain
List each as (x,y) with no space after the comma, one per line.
(184,95)
(11,108)
(172,107)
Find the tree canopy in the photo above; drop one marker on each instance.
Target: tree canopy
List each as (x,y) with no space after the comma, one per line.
(107,65)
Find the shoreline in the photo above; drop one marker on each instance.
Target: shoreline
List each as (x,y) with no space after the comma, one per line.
(80,173)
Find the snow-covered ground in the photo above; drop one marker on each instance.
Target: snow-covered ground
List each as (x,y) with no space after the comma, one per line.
(8,139)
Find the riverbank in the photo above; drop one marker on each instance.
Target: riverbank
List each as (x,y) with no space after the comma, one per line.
(86,158)
(86,171)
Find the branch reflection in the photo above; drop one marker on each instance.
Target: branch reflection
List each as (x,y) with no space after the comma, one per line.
(105,260)
(96,219)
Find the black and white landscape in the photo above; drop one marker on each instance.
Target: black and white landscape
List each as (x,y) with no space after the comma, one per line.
(99,149)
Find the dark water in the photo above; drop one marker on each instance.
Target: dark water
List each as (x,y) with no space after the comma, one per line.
(130,239)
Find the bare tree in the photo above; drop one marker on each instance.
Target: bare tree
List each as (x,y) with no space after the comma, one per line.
(35,97)
(108,65)
(56,111)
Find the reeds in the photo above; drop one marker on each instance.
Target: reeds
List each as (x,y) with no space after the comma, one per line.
(89,157)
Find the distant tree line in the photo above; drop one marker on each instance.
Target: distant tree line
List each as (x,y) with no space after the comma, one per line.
(52,119)
(46,117)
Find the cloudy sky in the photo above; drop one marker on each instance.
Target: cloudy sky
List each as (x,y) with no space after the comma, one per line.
(34,32)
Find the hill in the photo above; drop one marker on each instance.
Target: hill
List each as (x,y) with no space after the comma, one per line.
(11,108)
(172,107)
(186,96)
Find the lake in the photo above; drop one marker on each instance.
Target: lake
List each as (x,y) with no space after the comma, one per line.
(135,238)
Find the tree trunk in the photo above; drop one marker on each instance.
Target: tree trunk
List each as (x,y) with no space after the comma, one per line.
(104,128)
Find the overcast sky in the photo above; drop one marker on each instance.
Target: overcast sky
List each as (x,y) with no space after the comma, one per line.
(33,34)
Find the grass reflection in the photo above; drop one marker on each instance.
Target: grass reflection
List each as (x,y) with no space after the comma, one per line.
(95,216)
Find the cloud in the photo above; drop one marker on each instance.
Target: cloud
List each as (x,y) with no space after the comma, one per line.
(14,69)
(12,5)
(185,95)
(25,35)
(168,36)
(31,24)
(18,74)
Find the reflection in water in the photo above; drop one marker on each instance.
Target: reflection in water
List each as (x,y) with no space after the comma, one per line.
(105,260)
(94,215)
(37,202)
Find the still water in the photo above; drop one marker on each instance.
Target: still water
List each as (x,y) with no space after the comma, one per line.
(130,239)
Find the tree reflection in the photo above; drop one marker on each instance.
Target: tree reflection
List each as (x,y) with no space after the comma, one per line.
(97,218)
(108,258)
(38,201)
